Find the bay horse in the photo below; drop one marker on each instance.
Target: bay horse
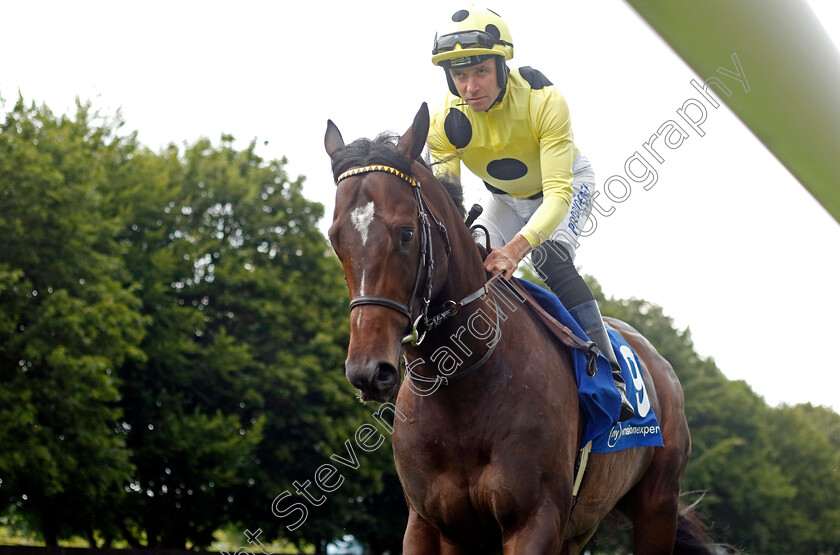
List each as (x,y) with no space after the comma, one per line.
(486,460)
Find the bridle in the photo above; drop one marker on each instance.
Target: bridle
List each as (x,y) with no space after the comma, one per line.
(424,282)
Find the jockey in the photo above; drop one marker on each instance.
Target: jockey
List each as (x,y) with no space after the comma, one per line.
(511,128)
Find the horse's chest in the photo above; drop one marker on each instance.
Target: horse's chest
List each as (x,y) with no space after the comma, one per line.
(460,486)
(481,463)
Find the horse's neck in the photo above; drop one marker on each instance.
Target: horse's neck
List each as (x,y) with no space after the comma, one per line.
(522,363)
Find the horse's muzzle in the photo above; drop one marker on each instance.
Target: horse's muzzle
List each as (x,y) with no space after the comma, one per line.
(377,380)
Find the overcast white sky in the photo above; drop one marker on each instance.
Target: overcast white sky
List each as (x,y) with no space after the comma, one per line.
(727,241)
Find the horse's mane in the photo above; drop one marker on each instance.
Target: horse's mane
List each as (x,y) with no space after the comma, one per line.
(383,150)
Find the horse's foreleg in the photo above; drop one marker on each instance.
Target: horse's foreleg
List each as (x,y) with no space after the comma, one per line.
(573,546)
(541,533)
(421,538)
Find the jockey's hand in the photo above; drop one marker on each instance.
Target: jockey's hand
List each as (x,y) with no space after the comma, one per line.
(506,259)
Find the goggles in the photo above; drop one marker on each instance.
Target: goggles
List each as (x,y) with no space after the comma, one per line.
(467,39)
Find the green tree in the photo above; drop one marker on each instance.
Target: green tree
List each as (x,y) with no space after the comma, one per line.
(189,442)
(172,332)
(804,451)
(66,322)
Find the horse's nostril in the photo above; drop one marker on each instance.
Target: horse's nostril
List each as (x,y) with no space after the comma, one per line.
(386,373)
(376,380)
(386,376)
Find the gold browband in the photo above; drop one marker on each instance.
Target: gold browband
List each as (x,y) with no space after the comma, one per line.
(377,168)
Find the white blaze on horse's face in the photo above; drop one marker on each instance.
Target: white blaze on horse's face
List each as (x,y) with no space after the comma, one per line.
(361,294)
(361,217)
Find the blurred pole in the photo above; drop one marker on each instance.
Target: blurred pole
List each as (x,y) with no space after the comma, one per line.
(790,66)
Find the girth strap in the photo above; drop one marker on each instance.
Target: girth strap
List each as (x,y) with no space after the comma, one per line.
(580,469)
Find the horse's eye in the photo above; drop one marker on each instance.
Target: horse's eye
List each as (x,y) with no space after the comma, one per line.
(406,236)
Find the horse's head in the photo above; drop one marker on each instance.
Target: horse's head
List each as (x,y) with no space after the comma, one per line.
(390,252)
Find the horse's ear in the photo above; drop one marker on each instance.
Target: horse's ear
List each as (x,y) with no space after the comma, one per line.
(411,144)
(332,139)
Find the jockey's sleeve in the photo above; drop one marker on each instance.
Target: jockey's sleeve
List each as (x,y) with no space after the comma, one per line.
(551,121)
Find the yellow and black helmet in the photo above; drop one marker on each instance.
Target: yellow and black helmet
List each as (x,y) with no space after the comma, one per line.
(472,36)
(473,32)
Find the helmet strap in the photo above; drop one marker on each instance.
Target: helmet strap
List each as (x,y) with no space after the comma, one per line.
(500,97)
(451,83)
(502,73)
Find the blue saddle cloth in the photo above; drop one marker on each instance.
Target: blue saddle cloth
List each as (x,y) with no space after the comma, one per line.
(599,400)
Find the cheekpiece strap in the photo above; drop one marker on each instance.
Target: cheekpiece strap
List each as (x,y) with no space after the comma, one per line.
(377,168)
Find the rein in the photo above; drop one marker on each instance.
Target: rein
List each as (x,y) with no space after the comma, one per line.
(453,309)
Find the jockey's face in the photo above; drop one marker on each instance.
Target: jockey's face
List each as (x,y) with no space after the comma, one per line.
(477,84)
